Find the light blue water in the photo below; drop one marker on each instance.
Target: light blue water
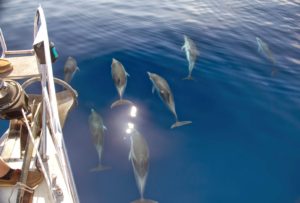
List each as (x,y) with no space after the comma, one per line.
(244,143)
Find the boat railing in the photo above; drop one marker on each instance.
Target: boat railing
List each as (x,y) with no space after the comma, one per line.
(50,104)
(12,52)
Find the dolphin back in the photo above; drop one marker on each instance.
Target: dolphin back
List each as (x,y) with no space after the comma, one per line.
(180,123)
(144,201)
(121,102)
(70,68)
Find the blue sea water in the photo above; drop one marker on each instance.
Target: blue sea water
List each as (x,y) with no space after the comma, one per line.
(244,143)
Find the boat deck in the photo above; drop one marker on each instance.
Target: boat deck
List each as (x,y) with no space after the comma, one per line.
(23,67)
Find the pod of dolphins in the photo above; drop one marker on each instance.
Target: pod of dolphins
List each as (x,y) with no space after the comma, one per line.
(139,150)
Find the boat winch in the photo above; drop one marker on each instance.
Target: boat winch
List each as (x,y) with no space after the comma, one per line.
(12,100)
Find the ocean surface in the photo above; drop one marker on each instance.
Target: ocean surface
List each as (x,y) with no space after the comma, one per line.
(244,143)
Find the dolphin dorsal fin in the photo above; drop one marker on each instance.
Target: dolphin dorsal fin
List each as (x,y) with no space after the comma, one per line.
(77,68)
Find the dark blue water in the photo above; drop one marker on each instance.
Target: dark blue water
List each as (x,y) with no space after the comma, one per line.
(244,143)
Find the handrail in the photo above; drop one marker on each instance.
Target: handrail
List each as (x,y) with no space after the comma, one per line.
(47,82)
(43,37)
(16,52)
(56,80)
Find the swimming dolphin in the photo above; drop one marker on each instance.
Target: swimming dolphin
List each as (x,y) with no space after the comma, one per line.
(165,93)
(70,69)
(97,130)
(119,76)
(191,53)
(139,157)
(264,48)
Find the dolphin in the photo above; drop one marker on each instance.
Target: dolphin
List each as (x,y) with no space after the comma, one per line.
(165,93)
(139,157)
(264,49)
(97,130)
(119,76)
(70,69)
(191,53)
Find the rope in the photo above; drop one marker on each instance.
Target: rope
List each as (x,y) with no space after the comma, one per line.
(22,186)
(37,151)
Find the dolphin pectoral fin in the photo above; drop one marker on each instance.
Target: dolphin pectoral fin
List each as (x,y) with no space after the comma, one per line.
(183,47)
(144,201)
(100,167)
(180,123)
(121,102)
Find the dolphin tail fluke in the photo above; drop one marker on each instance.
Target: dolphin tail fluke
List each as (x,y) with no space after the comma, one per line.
(100,167)
(189,77)
(144,201)
(121,102)
(180,123)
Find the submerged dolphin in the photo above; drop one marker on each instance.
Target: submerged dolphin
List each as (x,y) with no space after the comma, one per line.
(70,69)
(264,48)
(97,130)
(165,93)
(119,76)
(139,157)
(191,53)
